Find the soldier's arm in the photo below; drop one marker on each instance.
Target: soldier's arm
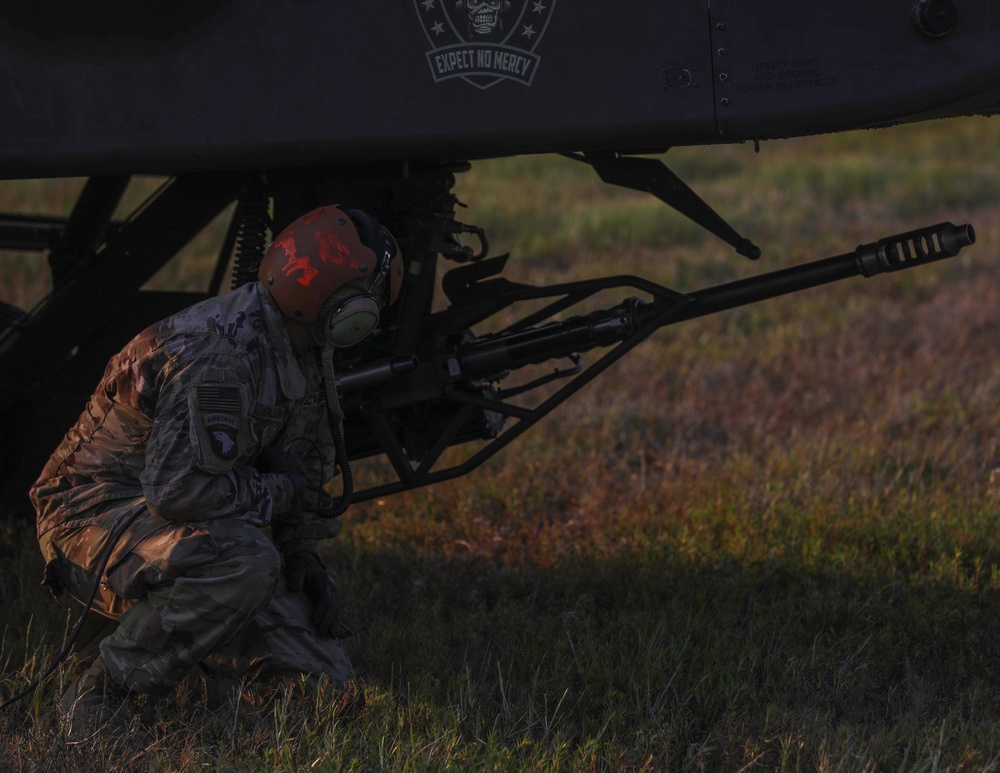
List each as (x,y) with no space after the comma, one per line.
(197,456)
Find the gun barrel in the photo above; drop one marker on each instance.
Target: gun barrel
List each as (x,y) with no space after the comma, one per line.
(375,373)
(490,355)
(918,247)
(907,250)
(601,328)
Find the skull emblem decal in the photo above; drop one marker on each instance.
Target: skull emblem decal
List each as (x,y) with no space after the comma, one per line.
(484,42)
(483,17)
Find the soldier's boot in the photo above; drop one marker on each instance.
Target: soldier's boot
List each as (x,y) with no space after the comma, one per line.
(94,704)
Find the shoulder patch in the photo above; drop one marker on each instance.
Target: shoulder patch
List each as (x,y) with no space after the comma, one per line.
(220,408)
(219,424)
(218,397)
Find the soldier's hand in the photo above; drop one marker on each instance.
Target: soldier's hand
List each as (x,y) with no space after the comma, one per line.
(306,574)
(280,462)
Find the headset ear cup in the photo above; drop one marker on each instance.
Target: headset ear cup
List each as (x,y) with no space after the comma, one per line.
(356,317)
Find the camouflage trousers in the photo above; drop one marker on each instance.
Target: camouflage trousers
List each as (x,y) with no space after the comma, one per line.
(208,593)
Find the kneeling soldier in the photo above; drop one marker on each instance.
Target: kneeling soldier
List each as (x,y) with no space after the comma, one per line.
(206,427)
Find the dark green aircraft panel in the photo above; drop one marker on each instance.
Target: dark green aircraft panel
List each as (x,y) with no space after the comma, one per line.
(787,69)
(283,82)
(197,86)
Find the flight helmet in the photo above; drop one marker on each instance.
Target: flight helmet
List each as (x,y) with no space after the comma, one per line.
(334,270)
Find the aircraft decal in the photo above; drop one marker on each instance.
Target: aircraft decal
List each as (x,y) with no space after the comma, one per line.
(484,42)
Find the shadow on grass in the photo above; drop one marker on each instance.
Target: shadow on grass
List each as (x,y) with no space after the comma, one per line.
(651,661)
(684,665)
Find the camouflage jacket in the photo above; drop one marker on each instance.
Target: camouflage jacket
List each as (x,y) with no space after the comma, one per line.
(182,413)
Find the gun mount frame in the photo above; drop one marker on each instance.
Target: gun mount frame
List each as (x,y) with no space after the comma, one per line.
(424,382)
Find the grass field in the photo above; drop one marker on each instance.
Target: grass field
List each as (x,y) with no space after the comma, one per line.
(766,540)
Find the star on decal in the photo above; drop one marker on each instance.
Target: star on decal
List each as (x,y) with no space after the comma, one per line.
(538,7)
(438,28)
(529,30)
(428,4)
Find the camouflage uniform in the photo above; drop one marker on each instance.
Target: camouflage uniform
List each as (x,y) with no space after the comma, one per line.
(165,451)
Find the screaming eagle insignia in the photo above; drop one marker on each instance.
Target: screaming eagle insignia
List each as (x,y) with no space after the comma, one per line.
(484,42)
(218,411)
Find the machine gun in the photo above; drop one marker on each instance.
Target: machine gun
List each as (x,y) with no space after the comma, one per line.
(427,380)
(413,408)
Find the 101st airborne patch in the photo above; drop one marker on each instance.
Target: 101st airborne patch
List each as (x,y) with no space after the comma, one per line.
(218,417)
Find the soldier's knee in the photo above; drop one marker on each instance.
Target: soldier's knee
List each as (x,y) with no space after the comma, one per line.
(235,539)
(252,563)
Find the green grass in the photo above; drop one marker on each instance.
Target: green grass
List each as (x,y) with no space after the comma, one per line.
(766,540)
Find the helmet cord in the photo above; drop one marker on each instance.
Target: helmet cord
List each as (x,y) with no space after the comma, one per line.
(334,417)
